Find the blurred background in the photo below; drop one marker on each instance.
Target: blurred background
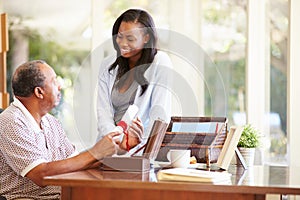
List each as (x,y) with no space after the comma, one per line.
(64,33)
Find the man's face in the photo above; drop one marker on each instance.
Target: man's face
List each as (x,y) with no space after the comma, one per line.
(51,89)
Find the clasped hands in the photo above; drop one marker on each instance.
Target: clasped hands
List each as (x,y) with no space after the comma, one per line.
(110,145)
(133,136)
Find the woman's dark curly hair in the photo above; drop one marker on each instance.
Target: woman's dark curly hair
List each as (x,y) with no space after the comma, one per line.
(27,77)
(148,52)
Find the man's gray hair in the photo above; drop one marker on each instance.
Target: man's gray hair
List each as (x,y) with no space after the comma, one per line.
(27,77)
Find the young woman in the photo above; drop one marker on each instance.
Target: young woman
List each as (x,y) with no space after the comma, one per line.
(137,74)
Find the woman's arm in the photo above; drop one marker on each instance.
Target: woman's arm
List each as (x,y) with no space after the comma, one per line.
(161,85)
(105,113)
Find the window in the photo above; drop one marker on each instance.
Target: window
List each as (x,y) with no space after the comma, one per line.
(219,27)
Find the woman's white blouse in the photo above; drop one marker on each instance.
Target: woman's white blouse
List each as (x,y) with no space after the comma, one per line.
(153,104)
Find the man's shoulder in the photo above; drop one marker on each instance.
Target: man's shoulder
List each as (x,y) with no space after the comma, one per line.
(11,113)
(12,118)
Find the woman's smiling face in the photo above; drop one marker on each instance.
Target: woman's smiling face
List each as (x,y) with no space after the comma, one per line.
(131,39)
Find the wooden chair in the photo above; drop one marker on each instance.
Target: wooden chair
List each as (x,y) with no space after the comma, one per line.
(205,143)
(4,95)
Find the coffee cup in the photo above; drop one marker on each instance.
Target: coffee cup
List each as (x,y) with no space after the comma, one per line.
(179,158)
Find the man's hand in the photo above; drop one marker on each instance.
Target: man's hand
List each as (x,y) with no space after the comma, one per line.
(105,147)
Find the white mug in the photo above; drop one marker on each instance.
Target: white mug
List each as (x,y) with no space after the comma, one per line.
(180,158)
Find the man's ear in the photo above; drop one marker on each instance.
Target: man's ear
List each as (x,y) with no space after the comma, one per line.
(38,91)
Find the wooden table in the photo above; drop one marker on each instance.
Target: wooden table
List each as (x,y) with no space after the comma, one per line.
(254,183)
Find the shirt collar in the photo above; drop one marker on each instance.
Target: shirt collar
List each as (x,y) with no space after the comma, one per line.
(27,114)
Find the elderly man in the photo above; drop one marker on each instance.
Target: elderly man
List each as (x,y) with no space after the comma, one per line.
(32,142)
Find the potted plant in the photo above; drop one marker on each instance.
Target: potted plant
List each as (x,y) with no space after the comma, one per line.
(249,140)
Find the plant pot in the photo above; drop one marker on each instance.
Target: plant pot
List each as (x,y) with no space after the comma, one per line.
(248,155)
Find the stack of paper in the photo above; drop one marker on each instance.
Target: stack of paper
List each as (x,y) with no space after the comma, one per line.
(194,175)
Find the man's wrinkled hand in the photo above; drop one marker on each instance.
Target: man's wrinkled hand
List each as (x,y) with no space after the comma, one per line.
(105,147)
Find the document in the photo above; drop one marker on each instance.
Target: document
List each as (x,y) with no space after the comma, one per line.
(194,175)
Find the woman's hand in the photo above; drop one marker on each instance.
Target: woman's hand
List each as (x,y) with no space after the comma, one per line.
(134,135)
